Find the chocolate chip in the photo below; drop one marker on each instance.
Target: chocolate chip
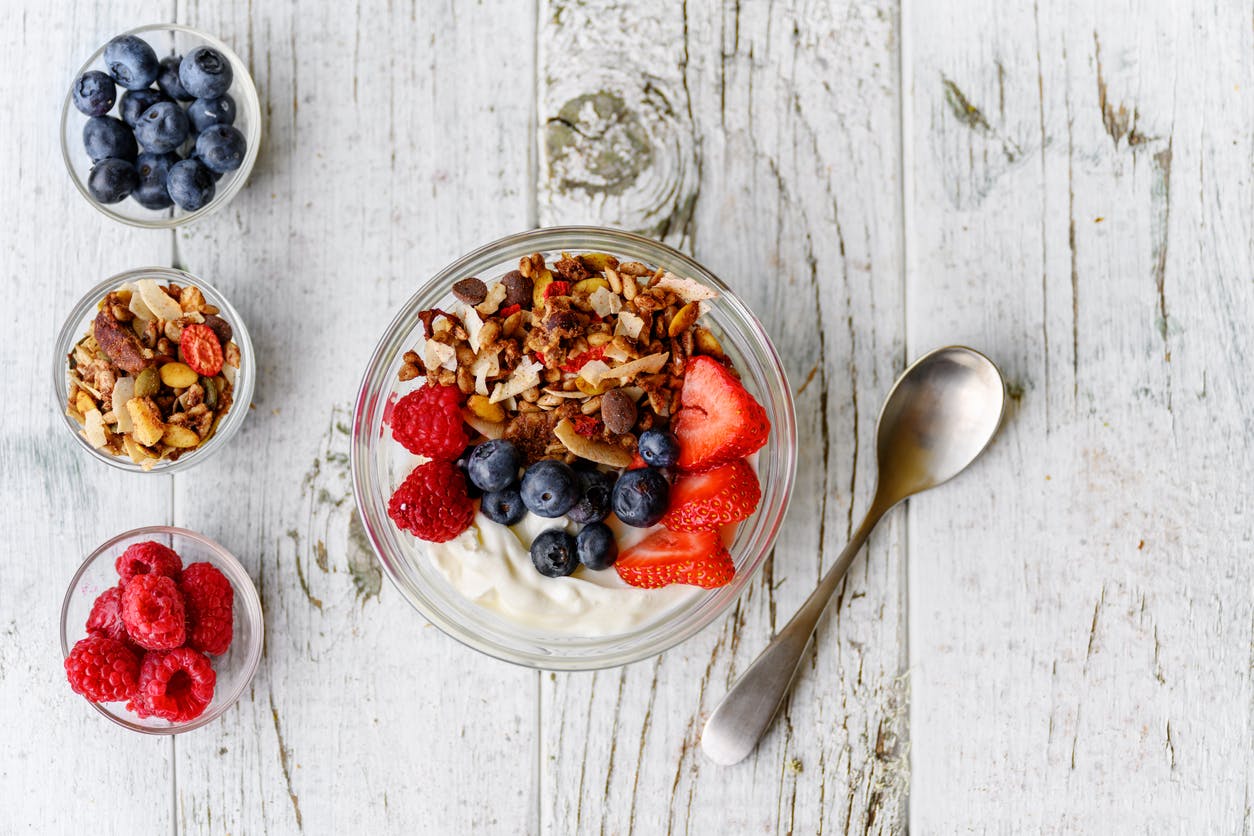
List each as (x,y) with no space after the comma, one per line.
(472,291)
(517,289)
(618,411)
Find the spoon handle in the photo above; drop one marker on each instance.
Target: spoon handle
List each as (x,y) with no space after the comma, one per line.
(748,709)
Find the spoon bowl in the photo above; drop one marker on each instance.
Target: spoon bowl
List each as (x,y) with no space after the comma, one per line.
(940,414)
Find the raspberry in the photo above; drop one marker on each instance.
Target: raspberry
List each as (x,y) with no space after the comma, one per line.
(209,600)
(153,612)
(148,558)
(176,685)
(428,422)
(431,503)
(102,669)
(106,616)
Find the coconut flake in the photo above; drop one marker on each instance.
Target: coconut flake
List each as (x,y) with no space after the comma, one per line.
(94,429)
(628,325)
(593,370)
(470,318)
(492,302)
(686,289)
(651,364)
(161,305)
(524,377)
(123,391)
(617,353)
(604,302)
(440,355)
(486,365)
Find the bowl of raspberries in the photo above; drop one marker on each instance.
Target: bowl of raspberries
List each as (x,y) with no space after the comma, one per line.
(160,126)
(161,630)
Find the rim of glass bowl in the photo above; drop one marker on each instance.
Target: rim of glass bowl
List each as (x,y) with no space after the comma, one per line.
(754,540)
(239,579)
(243,90)
(76,325)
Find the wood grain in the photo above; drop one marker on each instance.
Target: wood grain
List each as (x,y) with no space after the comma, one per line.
(1080,606)
(791,113)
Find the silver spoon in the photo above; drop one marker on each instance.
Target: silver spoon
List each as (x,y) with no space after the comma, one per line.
(939,416)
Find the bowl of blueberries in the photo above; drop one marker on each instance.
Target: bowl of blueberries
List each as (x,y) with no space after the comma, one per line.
(161,126)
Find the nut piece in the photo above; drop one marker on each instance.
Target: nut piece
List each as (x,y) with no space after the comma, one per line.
(147,421)
(684,319)
(119,343)
(220,327)
(180,437)
(708,344)
(147,383)
(178,375)
(485,409)
(618,411)
(591,449)
(472,291)
(517,289)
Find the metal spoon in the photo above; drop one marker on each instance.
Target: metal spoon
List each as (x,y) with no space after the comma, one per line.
(939,416)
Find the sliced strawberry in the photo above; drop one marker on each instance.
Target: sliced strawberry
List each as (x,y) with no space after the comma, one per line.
(711,499)
(667,557)
(718,421)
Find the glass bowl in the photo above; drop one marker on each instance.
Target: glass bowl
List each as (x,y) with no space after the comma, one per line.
(376,472)
(78,323)
(165,39)
(234,669)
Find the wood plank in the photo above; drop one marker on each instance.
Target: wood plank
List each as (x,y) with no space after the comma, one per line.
(764,142)
(395,141)
(1080,604)
(66,769)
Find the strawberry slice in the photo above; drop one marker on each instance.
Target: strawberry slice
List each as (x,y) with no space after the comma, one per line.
(667,557)
(718,421)
(709,500)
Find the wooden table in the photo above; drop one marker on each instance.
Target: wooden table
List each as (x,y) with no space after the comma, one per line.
(1060,640)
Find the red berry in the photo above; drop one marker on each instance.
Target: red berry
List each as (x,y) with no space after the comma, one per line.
(509,311)
(428,422)
(711,499)
(210,602)
(718,421)
(176,685)
(102,669)
(557,288)
(431,503)
(153,612)
(201,349)
(637,462)
(105,618)
(147,558)
(666,557)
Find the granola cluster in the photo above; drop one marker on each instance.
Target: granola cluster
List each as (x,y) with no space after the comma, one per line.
(155,374)
(567,360)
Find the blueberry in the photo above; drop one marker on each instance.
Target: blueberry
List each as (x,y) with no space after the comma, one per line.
(659,448)
(596,547)
(131,62)
(554,553)
(493,465)
(94,93)
(220,148)
(162,128)
(105,137)
(206,112)
(112,180)
(463,461)
(205,73)
(549,488)
(504,507)
(168,78)
(213,175)
(595,489)
(190,185)
(641,497)
(153,169)
(135,102)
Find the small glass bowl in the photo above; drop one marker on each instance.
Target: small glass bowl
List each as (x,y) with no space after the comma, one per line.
(234,669)
(403,557)
(79,323)
(165,39)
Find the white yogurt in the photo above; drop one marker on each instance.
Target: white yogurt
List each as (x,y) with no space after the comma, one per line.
(490,564)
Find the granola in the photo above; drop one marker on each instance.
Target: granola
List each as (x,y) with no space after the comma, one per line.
(154,375)
(567,360)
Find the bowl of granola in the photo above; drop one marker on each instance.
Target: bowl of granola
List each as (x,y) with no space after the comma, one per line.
(573,448)
(154,370)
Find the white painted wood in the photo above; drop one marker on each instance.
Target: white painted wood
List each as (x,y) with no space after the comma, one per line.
(775,163)
(1082,606)
(1078,202)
